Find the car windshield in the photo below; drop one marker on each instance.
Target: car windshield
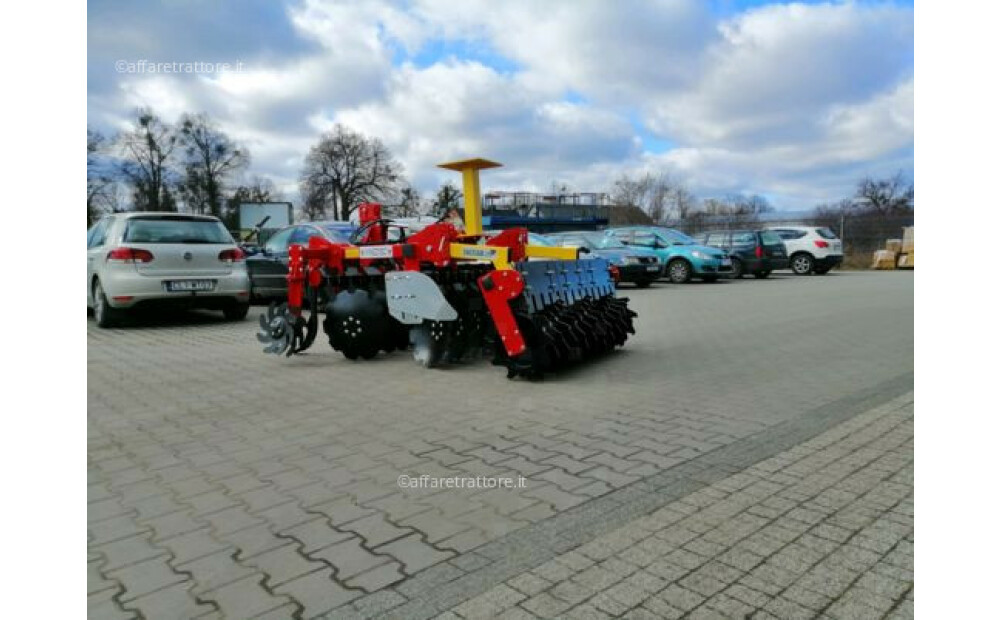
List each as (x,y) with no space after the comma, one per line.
(174,229)
(673,237)
(826,233)
(603,241)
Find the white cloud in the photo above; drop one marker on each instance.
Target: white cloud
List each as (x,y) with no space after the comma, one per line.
(792,101)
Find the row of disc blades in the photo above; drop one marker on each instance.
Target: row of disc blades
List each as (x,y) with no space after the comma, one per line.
(359,325)
(561,334)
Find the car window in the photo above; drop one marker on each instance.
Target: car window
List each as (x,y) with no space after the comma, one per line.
(769,237)
(826,233)
(536,239)
(644,238)
(278,243)
(173,229)
(625,236)
(604,241)
(335,234)
(98,233)
(790,234)
(717,239)
(744,237)
(670,236)
(301,235)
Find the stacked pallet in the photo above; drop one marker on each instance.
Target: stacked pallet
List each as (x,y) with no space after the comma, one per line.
(905,259)
(898,253)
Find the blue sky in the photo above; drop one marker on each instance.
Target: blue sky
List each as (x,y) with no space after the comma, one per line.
(792,101)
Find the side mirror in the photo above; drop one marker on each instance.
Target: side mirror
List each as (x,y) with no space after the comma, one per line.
(583,250)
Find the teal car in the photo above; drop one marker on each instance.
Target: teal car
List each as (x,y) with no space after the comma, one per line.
(684,258)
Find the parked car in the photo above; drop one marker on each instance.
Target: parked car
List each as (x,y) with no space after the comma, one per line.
(752,251)
(683,256)
(811,249)
(637,265)
(268,268)
(149,258)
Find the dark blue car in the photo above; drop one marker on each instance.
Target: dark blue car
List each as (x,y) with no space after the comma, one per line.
(636,265)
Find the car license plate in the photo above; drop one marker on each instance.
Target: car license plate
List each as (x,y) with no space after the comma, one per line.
(177,286)
(652,268)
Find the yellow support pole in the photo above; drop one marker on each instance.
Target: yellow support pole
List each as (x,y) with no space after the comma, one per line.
(470,189)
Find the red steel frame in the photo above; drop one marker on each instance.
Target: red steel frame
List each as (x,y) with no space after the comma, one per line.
(432,245)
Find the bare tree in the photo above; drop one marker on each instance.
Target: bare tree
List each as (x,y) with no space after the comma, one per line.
(99,179)
(346,169)
(409,203)
(258,189)
(650,192)
(147,148)
(314,203)
(448,197)
(885,196)
(211,158)
(682,202)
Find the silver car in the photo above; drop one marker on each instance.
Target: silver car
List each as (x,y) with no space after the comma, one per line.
(146,258)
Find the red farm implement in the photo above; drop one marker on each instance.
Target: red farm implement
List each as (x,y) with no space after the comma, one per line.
(449,295)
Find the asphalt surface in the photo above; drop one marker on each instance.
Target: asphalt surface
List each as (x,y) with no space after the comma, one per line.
(227,483)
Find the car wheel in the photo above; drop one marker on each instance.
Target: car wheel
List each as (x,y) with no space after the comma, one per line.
(679,271)
(802,264)
(236,311)
(821,270)
(737,269)
(104,314)
(643,283)
(760,275)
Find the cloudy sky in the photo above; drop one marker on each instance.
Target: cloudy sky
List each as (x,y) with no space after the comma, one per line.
(791,101)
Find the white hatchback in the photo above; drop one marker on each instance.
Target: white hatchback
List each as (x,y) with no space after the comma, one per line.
(811,249)
(151,258)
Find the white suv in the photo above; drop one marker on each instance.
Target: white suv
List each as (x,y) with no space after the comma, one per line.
(811,249)
(144,258)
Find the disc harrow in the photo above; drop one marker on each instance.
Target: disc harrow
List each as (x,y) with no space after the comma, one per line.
(450,296)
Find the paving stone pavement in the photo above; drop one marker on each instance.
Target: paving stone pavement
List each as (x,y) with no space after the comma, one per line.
(223,483)
(824,530)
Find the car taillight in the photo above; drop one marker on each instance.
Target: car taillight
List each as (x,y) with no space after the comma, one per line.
(616,274)
(759,251)
(821,244)
(129,255)
(233,255)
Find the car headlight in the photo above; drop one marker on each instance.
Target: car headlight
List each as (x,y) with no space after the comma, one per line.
(632,260)
(701,255)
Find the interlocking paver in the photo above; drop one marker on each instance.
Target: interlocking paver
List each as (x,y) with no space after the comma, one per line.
(184,451)
(776,564)
(414,554)
(316,592)
(349,557)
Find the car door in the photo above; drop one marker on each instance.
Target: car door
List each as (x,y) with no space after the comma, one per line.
(268,270)
(97,238)
(744,245)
